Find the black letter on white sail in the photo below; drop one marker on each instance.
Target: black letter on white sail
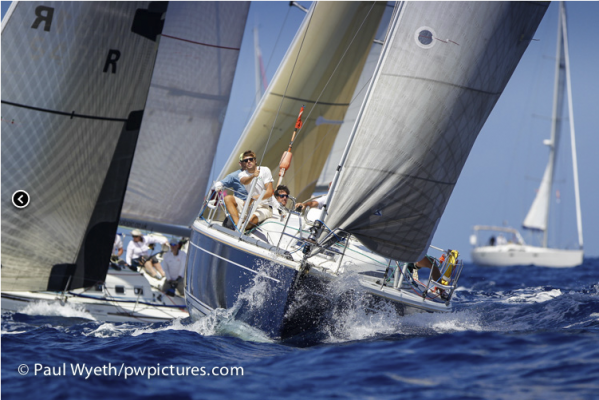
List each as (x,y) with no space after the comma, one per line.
(46,19)
(113,56)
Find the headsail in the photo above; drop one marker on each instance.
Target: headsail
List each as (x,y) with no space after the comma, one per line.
(185,111)
(443,68)
(75,77)
(323,38)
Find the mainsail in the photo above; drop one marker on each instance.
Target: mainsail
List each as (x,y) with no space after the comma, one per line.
(75,77)
(186,106)
(444,66)
(333,35)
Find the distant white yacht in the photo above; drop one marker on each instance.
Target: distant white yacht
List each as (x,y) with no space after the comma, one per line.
(501,252)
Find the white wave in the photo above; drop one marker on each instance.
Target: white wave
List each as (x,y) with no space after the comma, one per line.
(57,309)
(109,330)
(3,332)
(536,296)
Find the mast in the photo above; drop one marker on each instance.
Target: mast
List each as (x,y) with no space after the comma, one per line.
(558,91)
(571,119)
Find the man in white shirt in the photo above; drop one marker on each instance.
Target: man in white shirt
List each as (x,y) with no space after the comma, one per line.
(138,251)
(263,184)
(173,264)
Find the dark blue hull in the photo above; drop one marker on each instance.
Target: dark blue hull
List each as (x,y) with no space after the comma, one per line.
(222,273)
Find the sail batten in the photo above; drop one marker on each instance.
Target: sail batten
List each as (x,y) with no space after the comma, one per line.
(426,105)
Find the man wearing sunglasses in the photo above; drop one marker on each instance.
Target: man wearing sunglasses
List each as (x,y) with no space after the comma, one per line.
(281,195)
(263,184)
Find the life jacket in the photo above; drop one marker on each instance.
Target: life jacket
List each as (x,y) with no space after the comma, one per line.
(451,263)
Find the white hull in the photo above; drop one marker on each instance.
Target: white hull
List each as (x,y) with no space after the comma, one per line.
(126,296)
(513,254)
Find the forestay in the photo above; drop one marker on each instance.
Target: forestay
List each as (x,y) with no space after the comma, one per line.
(186,107)
(443,68)
(328,31)
(75,77)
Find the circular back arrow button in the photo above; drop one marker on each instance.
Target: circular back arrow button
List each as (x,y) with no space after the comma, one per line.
(20,199)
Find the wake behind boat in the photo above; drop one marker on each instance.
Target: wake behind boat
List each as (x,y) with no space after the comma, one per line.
(439,75)
(502,252)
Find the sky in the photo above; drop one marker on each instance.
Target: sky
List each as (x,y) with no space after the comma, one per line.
(498,182)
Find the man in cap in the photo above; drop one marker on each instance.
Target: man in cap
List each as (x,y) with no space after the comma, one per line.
(138,251)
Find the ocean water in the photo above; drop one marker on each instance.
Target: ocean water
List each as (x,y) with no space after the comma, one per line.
(515,333)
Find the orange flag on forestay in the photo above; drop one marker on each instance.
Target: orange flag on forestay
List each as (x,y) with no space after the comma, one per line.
(285,162)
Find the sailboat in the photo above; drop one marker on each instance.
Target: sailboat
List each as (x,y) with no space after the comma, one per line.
(442,68)
(108,106)
(504,252)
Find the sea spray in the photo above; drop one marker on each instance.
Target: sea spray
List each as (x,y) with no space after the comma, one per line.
(57,309)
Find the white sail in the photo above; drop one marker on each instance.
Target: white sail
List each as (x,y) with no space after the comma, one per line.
(539,210)
(186,106)
(75,77)
(331,32)
(443,68)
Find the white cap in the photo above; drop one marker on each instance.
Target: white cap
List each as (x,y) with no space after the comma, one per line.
(135,232)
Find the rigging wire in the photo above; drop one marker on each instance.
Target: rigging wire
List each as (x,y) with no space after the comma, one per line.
(288,82)
(338,64)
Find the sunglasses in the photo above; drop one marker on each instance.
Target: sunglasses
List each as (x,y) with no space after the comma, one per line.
(248,159)
(283,195)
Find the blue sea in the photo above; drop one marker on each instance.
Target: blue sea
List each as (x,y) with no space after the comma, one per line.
(515,333)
